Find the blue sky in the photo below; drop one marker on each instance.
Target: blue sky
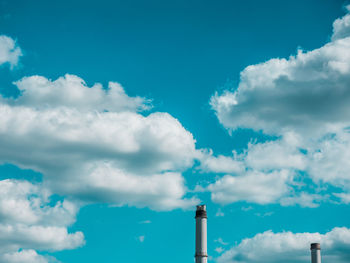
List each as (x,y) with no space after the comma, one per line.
(118,118)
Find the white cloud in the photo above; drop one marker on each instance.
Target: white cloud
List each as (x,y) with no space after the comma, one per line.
(103,182)
(50,238)
(290,247)
(27,256)
(341,26)
(219,164)
(307,93)
(119,156)
(329,161)
(219,213)
(278,154)
(30,220)
(9,51)
(25,203)
(72,91)
(304,101)
(283,153)
(344,197)
(91,145)
(303,199)
(255,187)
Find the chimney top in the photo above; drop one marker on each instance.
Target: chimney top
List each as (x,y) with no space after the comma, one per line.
(201,211)
(315,246)
(201,208)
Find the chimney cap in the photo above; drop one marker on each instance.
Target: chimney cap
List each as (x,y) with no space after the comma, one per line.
(201,207)
(201,211)
(315,246)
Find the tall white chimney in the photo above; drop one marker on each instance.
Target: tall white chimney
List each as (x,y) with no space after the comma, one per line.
(201,234)
(315,253)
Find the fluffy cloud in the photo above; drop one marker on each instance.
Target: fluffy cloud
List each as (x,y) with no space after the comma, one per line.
(329,161)
(290,247)
(103,182)
(9,51)
(92,145)
(267,174)
(279,154)
(28,256)
(304,101)
(71,91)
(261,188)
(25,203)
(307,93)
(219,164)
(30,220)
(341,27)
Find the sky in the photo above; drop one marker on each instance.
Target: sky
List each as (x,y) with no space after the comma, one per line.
(117,118)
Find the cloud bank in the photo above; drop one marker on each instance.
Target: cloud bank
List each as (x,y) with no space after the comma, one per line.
(96,152)
(30,220)
(302,101)
(92,145)
(289,247)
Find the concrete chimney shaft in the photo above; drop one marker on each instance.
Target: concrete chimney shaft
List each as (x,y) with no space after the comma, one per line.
(201,234)
(315,253)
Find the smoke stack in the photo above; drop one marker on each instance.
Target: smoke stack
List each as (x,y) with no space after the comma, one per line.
(201,234)
(315,253)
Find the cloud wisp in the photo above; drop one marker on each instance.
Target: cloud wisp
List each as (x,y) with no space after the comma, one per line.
(10,52)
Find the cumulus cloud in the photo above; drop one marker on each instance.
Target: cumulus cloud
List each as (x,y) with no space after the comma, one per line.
(30,220)
(219,164)
(279,154)
(106,183)
(341,26)
(329,160)
(290,247)
(28,256)
(306,93)
(255,187)
(72,91)
(9,51)
(92,145)
(304,102)
(26,203)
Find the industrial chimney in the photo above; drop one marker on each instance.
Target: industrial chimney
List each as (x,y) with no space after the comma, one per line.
(315,253)
(201,234)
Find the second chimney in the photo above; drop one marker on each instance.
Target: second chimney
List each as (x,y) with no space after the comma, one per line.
(201,234)
(315,253)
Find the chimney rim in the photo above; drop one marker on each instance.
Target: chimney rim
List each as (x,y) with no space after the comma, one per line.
(315,246)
